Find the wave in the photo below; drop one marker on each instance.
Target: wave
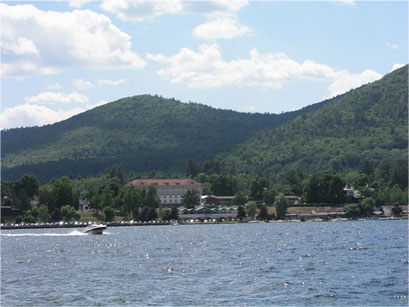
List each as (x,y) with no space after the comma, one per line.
(33,234)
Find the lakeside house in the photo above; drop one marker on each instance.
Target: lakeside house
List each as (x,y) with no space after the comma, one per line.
(212,200)
(169,191)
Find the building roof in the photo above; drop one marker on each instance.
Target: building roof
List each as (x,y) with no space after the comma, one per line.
(163,182)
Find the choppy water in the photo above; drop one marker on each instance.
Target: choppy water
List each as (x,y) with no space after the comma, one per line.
(343,263)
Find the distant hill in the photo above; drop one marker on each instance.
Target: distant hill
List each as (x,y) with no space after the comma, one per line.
(141,133)
(366,126)
(146,133)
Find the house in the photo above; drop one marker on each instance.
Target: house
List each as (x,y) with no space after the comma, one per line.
(293,200)
(319,212)
(169,191)
(211,200)
(351,193)
(83,205)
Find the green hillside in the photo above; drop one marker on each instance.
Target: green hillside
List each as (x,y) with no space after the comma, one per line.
(141,133)
(364,128)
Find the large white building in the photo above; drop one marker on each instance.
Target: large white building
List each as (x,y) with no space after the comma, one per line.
(170,191)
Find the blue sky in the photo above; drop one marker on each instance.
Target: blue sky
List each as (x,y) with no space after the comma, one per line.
(60,58)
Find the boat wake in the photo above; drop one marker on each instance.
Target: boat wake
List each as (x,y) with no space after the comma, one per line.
(31,234)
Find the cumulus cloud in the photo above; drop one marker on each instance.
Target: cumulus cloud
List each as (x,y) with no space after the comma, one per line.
(345,81)
(82,84)
(78,3)
(57,98)
(222,28)
(397,66)
(111,82)
(26,115)
(141,10)
(207,69)
(46,42)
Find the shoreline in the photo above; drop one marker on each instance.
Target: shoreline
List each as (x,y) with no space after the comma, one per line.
(162,223)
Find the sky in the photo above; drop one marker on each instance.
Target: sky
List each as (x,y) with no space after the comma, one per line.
(61,58)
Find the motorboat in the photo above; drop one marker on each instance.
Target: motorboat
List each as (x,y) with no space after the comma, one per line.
(95,229)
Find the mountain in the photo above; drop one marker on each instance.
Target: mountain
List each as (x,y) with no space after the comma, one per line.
(364,128)
(141,133)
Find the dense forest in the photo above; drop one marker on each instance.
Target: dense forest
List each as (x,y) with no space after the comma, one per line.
(364,130)
(142,133)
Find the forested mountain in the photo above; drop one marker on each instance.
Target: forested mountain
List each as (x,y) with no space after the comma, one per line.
(365,129)
(362,129)
(141,133)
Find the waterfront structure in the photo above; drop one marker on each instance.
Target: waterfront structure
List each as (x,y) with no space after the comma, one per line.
(211,200)
(170,191)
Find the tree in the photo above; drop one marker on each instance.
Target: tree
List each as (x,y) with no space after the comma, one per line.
(106,197)
(173,214)
(190,198)
(239,199)
(109,214)
(151,197)
(241,213)
(192,168)
(257,188)
(352,211)
(367,206)
(131,200)
(263,213)
(281,206)
(396,209)
(251,208)
(22,200)
(30,184)
(116,172)
(269,196)
(61,193)
(222,185)
(43,214)
(69,213)
(400,173)
(326,187)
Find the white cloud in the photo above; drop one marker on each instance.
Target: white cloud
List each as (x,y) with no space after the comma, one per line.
(80,37)
(222,28)
(28,114)
(346,2)
(345,81)
(57,98)
(393,46)
(207,69)
(78,3)
(20,47)
(141,10)
(111,82)
(82,84)
(397,66)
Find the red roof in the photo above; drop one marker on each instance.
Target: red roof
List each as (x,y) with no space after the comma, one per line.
(163,182)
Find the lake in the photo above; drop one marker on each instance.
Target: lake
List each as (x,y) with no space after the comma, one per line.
(323,263)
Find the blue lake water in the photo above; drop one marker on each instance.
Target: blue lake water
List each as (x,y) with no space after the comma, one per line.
(326,264)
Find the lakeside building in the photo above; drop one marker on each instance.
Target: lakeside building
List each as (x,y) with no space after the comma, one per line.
(211,200)
(170,191)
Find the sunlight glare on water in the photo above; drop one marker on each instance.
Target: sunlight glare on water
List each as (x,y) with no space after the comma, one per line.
(326,264)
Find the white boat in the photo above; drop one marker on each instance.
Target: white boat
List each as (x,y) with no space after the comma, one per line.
(95,229)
